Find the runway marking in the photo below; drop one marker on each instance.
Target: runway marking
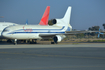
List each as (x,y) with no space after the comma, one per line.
(45,55)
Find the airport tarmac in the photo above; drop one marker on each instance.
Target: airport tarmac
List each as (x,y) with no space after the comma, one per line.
(52,57)
(52,45)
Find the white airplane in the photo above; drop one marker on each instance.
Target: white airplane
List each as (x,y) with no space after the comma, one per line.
(56,31)
(4,25)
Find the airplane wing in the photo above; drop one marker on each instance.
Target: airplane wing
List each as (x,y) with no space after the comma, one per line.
(47,36)
(77,32)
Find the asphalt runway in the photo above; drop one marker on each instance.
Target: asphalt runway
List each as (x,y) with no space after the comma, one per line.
(52,57)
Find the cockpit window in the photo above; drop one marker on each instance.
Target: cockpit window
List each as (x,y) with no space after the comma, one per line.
(5,30)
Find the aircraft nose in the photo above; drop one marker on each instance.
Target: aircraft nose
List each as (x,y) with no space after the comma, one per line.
(3,34)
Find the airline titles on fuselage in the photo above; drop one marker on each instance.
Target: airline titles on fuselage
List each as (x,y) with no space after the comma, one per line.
(27,29)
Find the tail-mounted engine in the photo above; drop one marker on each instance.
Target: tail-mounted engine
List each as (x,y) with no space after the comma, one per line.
(52,22)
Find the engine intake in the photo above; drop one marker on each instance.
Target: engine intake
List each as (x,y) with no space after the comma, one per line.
(54,21)
(58,38)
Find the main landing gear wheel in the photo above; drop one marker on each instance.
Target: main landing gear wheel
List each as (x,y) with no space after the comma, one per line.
(15,42)
(33,41)
(9,41)
(55,40)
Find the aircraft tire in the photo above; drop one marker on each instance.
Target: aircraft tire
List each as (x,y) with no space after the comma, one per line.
(52,43)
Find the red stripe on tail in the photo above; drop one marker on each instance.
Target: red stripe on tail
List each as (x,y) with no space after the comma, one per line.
(45,17)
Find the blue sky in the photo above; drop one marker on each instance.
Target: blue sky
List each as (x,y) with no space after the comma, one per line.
(85,13)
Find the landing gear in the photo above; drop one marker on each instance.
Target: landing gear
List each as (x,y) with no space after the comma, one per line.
(33,41)
(9,41)
(52,42)
(15,42)
(55,40)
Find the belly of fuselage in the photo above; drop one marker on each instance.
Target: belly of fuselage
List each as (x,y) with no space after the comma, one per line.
(25,36)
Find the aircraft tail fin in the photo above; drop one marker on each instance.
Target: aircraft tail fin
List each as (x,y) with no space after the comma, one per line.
(26,22)
(64,21)
(67,15)
(45,17)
